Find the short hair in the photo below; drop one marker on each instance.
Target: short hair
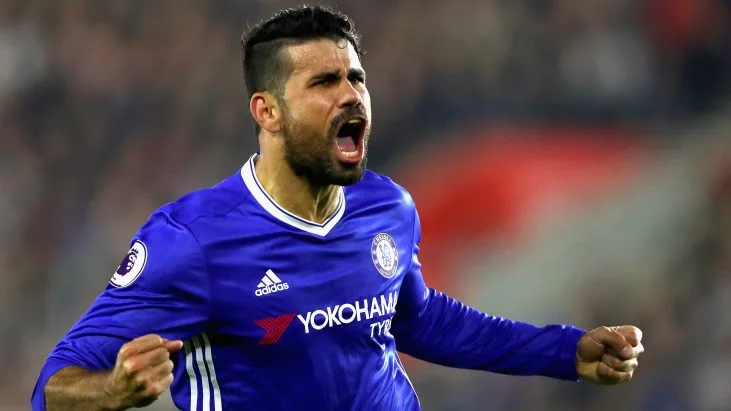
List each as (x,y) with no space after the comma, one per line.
(264,63)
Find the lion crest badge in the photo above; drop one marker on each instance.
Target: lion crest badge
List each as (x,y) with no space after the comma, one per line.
(384,254)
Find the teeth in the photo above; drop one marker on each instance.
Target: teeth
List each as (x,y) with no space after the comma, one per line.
(349,153)
(355,121)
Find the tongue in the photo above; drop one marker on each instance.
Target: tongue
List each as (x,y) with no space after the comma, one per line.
(346,144)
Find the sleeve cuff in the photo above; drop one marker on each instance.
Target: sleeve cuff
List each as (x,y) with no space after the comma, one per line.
(566,368)
(53,365)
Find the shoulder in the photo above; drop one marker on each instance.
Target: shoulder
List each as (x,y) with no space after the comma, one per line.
(378,188)
(201,206)
(188,214)
(169,241)
(213,202)
(388,187)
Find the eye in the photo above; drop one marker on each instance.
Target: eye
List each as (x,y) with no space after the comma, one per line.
(324,81)
(357,78)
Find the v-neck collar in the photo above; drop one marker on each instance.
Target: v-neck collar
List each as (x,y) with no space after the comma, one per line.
(278,212)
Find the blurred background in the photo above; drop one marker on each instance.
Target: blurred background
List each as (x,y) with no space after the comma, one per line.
(571,161)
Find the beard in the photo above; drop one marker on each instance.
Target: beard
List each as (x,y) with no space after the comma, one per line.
(309,153)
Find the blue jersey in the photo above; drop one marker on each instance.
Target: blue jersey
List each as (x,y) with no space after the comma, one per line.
(280,313)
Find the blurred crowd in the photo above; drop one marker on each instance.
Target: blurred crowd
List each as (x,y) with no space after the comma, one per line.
(109,109)
(684,317)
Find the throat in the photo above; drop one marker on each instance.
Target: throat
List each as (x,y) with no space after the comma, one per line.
(295,194)
(315,207)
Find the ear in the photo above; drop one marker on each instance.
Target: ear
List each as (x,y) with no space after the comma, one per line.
(265,109)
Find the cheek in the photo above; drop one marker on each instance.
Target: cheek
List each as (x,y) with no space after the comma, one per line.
(311,112)
(367,102)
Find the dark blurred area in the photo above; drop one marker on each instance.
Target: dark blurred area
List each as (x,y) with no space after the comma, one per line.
(111,108)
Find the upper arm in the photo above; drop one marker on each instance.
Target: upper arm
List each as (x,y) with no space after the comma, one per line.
(160,287)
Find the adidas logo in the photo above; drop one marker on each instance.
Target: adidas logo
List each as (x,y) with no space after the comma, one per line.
(269,284)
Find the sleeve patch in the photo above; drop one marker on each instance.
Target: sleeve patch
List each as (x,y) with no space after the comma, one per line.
(131,266)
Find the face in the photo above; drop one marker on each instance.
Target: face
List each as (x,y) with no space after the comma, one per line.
(326,113)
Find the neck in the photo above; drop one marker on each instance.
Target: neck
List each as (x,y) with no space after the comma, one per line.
(295,193)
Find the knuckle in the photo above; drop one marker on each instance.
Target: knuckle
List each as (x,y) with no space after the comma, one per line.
(161,356)
(140,380)
(156,390)
(614,374)
(128,366)
(168,380)
(639,349)
(150,337)
(155,354)
(627,366)
(608,373)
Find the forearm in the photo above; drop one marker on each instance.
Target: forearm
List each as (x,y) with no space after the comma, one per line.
(447,332)
(76,388)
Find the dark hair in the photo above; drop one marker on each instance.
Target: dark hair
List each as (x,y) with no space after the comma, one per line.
(265,66)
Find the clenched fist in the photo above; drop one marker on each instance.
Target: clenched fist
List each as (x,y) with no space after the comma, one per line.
(608,355)
(143,371)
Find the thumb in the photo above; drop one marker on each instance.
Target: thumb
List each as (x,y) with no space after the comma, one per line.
(615,342)
(173,346)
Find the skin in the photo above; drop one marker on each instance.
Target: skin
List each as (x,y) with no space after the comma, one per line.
(609,355)
(301,168)
(297,138)
(142,372)
(299,165)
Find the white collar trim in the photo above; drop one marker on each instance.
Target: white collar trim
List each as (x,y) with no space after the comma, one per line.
(278,212)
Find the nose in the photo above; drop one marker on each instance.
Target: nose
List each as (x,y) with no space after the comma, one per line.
(350,96)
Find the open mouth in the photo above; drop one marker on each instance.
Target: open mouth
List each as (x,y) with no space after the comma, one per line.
(349,140)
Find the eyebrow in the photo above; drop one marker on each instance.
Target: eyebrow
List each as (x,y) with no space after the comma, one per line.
(326,75)
(334,74)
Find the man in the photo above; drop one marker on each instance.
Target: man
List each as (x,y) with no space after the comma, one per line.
(293,283)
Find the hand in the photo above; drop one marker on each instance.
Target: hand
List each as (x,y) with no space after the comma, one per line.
(143,371)
(608,355)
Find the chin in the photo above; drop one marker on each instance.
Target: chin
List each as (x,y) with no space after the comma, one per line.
(324,171)
(349,175)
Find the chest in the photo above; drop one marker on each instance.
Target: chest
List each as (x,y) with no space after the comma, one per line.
(284,290)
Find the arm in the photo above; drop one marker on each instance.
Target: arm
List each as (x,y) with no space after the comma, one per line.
(74,388)
(434,327)
(162,277)
(142,372)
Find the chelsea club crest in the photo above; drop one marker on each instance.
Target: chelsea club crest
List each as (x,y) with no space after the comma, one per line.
(384,254)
